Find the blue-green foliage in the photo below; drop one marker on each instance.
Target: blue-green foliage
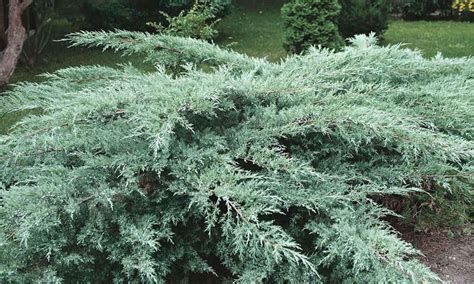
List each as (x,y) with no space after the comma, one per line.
(255,172)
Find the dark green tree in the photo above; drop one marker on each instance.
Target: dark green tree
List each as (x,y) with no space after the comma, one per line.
(311,22)
(363,17)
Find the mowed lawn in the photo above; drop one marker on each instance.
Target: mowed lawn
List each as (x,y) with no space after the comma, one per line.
(452,39)
(254,29)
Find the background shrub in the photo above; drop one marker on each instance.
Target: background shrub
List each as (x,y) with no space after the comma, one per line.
(133,15)
(198,22)
(422,9)
(363,17)
(115,14)
(464,9)
(311,22)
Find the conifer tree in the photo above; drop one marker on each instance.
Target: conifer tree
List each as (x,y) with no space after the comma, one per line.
(252,172)
(311,22)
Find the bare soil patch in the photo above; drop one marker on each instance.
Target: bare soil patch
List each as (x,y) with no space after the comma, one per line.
(451,258)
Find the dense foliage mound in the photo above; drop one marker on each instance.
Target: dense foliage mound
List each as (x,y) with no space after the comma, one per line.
(310,22)
(255,171)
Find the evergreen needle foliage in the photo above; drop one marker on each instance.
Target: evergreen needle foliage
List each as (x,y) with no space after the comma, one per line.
(363,17)
(199,22)
(252,172)
(311,22)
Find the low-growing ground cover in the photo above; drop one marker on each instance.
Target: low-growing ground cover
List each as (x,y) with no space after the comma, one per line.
(262,42)
(253,171)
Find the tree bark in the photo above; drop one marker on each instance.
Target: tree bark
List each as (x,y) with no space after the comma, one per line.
(3,23)
(16,36)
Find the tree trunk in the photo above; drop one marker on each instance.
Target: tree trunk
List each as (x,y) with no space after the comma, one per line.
(16,36)
(3,23)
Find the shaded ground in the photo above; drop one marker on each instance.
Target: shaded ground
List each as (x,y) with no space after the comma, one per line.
(451,258)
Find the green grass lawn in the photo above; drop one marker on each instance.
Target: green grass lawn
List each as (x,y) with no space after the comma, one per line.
(452,39)
(254,29)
